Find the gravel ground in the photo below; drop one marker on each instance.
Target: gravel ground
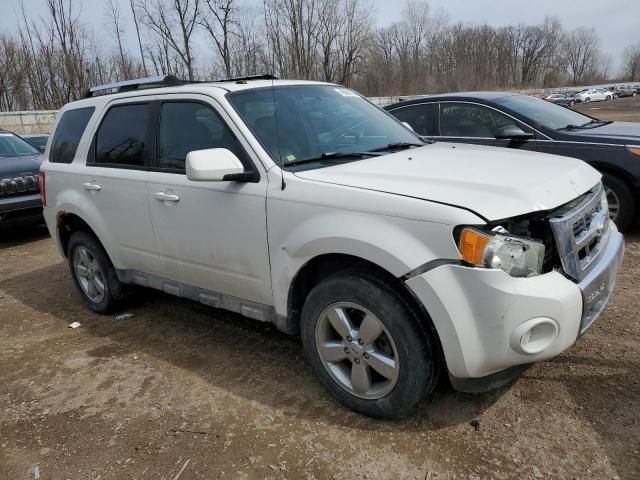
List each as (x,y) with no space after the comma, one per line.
(182,385)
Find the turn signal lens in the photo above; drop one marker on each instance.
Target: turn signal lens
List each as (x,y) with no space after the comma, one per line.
(634,149)
(472,246)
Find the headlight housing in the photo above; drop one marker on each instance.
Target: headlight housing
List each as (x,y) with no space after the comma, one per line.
(518,257)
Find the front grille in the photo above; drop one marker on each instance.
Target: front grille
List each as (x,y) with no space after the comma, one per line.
(580,229)
(19,185)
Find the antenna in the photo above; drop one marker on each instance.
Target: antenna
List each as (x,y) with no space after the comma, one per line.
(275,115)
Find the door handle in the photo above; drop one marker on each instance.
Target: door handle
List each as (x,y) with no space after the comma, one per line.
(166,197)
(92,187)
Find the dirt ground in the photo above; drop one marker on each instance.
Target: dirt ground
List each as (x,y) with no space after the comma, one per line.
(181,387)
(621,109)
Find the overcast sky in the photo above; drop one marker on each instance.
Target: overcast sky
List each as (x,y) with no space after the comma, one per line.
(617,21)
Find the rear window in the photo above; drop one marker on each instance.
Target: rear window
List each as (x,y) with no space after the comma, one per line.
(122,137)
(68,134)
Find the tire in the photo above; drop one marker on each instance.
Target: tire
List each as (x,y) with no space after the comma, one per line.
(401,337)
(86,255)
(619,191)
(608,97)
(633,94)
(588,99)
(572,104)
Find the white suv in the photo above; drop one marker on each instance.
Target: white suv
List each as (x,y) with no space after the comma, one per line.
(302,204)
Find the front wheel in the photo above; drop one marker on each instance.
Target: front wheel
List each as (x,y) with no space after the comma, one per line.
(368,346)
(571,104)
(588,99)
(621,201)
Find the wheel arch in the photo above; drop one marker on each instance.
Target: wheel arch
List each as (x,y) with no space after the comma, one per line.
(625,177)
(67,223)
(324,265)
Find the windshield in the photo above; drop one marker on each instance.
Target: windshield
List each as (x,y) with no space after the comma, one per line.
(13,146)
(313,122)
(544,113)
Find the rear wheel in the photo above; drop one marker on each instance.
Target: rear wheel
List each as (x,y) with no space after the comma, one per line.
(94,274)
(588,99)
(621,201)
(368,346)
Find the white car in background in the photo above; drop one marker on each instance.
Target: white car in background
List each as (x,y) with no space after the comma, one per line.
(594,95)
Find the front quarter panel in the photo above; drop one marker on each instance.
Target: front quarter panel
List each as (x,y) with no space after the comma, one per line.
(308,219)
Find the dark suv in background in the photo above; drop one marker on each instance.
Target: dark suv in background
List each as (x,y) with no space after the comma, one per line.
(19,182)
(526,123)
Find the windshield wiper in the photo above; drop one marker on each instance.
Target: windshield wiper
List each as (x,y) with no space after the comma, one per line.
(330,156)
(590,124)
(397,146)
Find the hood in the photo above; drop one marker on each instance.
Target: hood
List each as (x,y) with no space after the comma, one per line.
(16,166)
(626,132)
(494,182)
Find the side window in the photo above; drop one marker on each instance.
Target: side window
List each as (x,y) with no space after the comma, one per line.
(472,120)
(418,116)
(122,136)
(189,126)
(68,134)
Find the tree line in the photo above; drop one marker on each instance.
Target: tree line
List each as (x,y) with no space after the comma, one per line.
(53,59)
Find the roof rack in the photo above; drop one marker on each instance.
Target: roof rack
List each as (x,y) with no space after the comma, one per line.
(162,81)
(266,76)
(127,85)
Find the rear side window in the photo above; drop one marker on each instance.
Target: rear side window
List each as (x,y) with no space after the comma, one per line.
(68,134)
(122,137)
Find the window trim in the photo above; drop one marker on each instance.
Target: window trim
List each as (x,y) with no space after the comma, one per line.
(149,153)
(250,168)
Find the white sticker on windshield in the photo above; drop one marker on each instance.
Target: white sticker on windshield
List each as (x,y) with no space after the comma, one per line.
(345,92)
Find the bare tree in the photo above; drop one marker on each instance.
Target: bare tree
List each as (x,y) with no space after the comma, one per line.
(135,22)
(631,62)
(173,21)
(218,19)
(582,53)
(112,11)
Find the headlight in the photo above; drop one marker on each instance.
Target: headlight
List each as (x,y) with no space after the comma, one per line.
(516,256)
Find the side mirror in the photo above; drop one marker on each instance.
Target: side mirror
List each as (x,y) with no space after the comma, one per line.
(42,148)
(406,124)
(213,165)
(512,132)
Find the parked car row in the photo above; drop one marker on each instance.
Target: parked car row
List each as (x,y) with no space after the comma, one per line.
(594,94)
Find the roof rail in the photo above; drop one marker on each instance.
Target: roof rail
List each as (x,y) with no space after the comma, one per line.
(266,76)
(147,82)
(162,81)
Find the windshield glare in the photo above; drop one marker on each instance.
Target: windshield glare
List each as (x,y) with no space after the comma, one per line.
(301,122)
(13,146)
(544,113)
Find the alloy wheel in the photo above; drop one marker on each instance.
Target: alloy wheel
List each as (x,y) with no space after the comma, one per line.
(89,274)
(357,350)
(614,203)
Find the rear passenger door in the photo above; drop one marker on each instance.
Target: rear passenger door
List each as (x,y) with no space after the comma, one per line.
(211,235)
(113,184)
(467,122)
